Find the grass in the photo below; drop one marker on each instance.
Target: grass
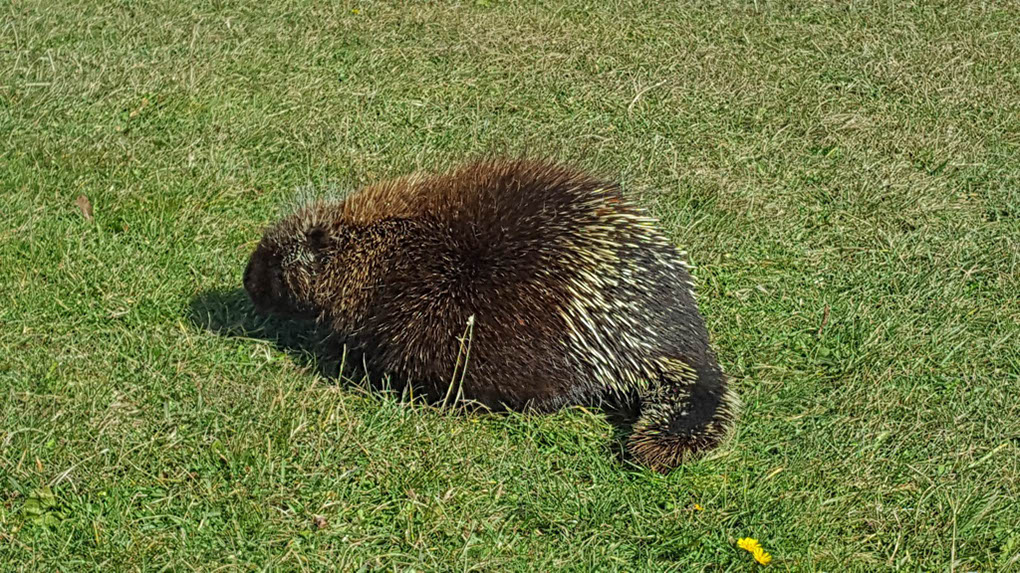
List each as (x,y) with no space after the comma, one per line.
(845,175)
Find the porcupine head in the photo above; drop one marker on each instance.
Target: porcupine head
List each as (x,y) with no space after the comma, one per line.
(284,269)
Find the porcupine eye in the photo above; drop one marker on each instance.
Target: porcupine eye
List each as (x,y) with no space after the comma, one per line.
(313,254)
(317,239)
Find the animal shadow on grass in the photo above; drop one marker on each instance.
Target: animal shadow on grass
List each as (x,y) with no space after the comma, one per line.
(229,312)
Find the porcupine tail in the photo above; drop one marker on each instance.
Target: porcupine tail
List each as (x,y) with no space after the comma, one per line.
(685,412)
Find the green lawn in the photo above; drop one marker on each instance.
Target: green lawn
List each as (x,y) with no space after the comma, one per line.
(845,176)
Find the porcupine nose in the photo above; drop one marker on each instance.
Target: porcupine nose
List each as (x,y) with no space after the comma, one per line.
(249,279)
(260,282)
(250,283)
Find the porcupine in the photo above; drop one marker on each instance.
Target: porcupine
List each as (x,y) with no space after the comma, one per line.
(563,291)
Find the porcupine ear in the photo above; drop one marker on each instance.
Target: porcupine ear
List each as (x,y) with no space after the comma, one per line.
(317,238)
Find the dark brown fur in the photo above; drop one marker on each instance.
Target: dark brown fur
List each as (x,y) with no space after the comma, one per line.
(571,292)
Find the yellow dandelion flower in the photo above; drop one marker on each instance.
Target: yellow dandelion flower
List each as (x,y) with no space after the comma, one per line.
(697,507)
(355,11)
(752,546)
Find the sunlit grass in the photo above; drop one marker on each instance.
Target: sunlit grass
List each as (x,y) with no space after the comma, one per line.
(845,177)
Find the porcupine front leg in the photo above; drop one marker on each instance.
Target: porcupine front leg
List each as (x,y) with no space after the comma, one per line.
(683,413)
